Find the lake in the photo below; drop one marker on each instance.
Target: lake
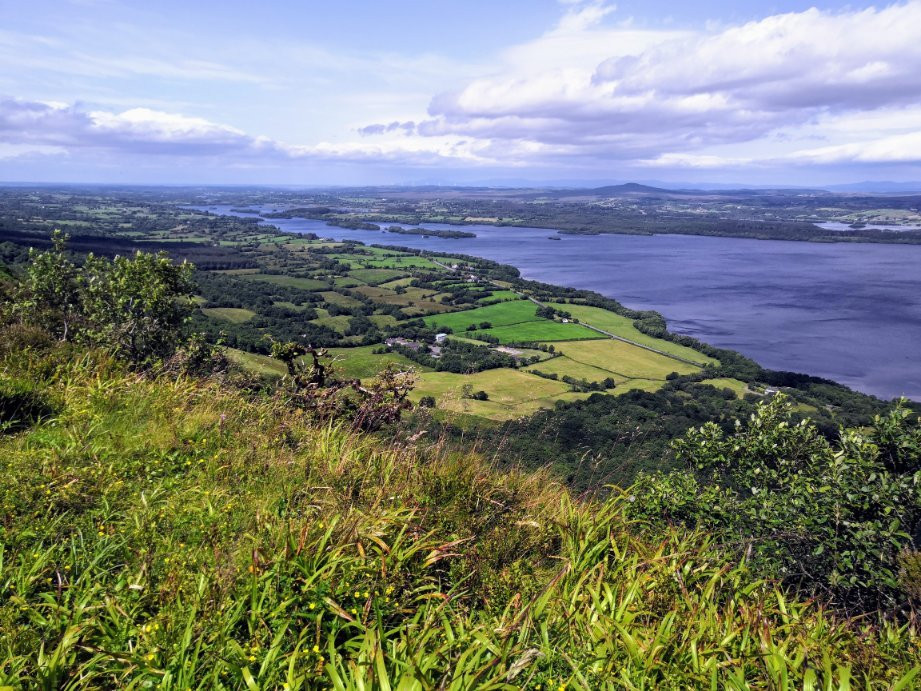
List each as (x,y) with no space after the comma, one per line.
(848,312)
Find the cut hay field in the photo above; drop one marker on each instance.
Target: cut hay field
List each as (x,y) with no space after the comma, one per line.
(512,393)
(623,327)
(237,315)
(622,358)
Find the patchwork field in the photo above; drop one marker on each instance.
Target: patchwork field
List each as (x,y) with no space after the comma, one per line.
(623,327)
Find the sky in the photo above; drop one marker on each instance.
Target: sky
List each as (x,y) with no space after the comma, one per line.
(553,92)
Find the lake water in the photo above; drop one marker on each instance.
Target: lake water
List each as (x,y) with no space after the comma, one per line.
(848,312)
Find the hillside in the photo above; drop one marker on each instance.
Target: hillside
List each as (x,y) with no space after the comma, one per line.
(179,532)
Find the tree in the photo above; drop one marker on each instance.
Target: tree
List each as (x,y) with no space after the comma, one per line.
(138,306)
(135,307)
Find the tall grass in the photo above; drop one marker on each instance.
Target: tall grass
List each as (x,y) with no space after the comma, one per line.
(173,533)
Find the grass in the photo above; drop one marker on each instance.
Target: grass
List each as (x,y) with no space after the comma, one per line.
(174,533)
(543,330)
(512,393)
(621,359)
(361,363)
(739,388)
(623,327)
(338,323)
(258,364)
(499,296)
(376,276)
(288,281)
(237,315)
(501,314)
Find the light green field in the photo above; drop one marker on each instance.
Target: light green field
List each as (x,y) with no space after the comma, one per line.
(346,282)
(739,388)
(628,361)
(237,315)
(397,283)
(361,362)
(338,323)
(512,393)
(381,320)
(376,276)
(289,281)
(339,299)
(564,366)
(650,385)
(500,296)
(500,314)
(543,330)
(623,327)
(258,364)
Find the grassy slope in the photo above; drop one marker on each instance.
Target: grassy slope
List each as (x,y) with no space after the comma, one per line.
(173,533)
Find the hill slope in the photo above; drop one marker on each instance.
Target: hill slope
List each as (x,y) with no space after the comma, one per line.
(178,532)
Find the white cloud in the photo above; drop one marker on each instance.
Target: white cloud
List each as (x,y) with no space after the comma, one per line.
(594,91)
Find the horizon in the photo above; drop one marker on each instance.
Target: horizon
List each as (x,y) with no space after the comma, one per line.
(567,93)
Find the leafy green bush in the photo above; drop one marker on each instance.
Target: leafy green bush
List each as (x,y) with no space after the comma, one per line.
(826,517)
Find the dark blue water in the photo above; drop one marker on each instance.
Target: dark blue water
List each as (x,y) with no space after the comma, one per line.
(848,312)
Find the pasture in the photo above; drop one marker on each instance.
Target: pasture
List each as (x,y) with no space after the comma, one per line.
(622,359)
(237,315)
(623,327)
(500,314)
(288,281)
(541,330)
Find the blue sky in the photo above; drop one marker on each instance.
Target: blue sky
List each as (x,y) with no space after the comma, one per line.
(542,91)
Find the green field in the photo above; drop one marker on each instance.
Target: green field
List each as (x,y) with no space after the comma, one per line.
(621,359)
(259,364)
(500,314)
(338,323)
(500,296)
(361,362)
(623,327)
(512,393)
(376,276)
(543,330)
(237,315)
(288,281)
(739,388)
(334,298)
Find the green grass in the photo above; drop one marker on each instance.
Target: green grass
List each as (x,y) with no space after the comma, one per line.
(621,359)
(173,533)
(338,323)
(512,393)
(739,388)
(339,299)
(500,314)
(288,281)
(499,296)
(237,315)
(361,363)
(543,330)
(258,364)
(623,327)
(376,276)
